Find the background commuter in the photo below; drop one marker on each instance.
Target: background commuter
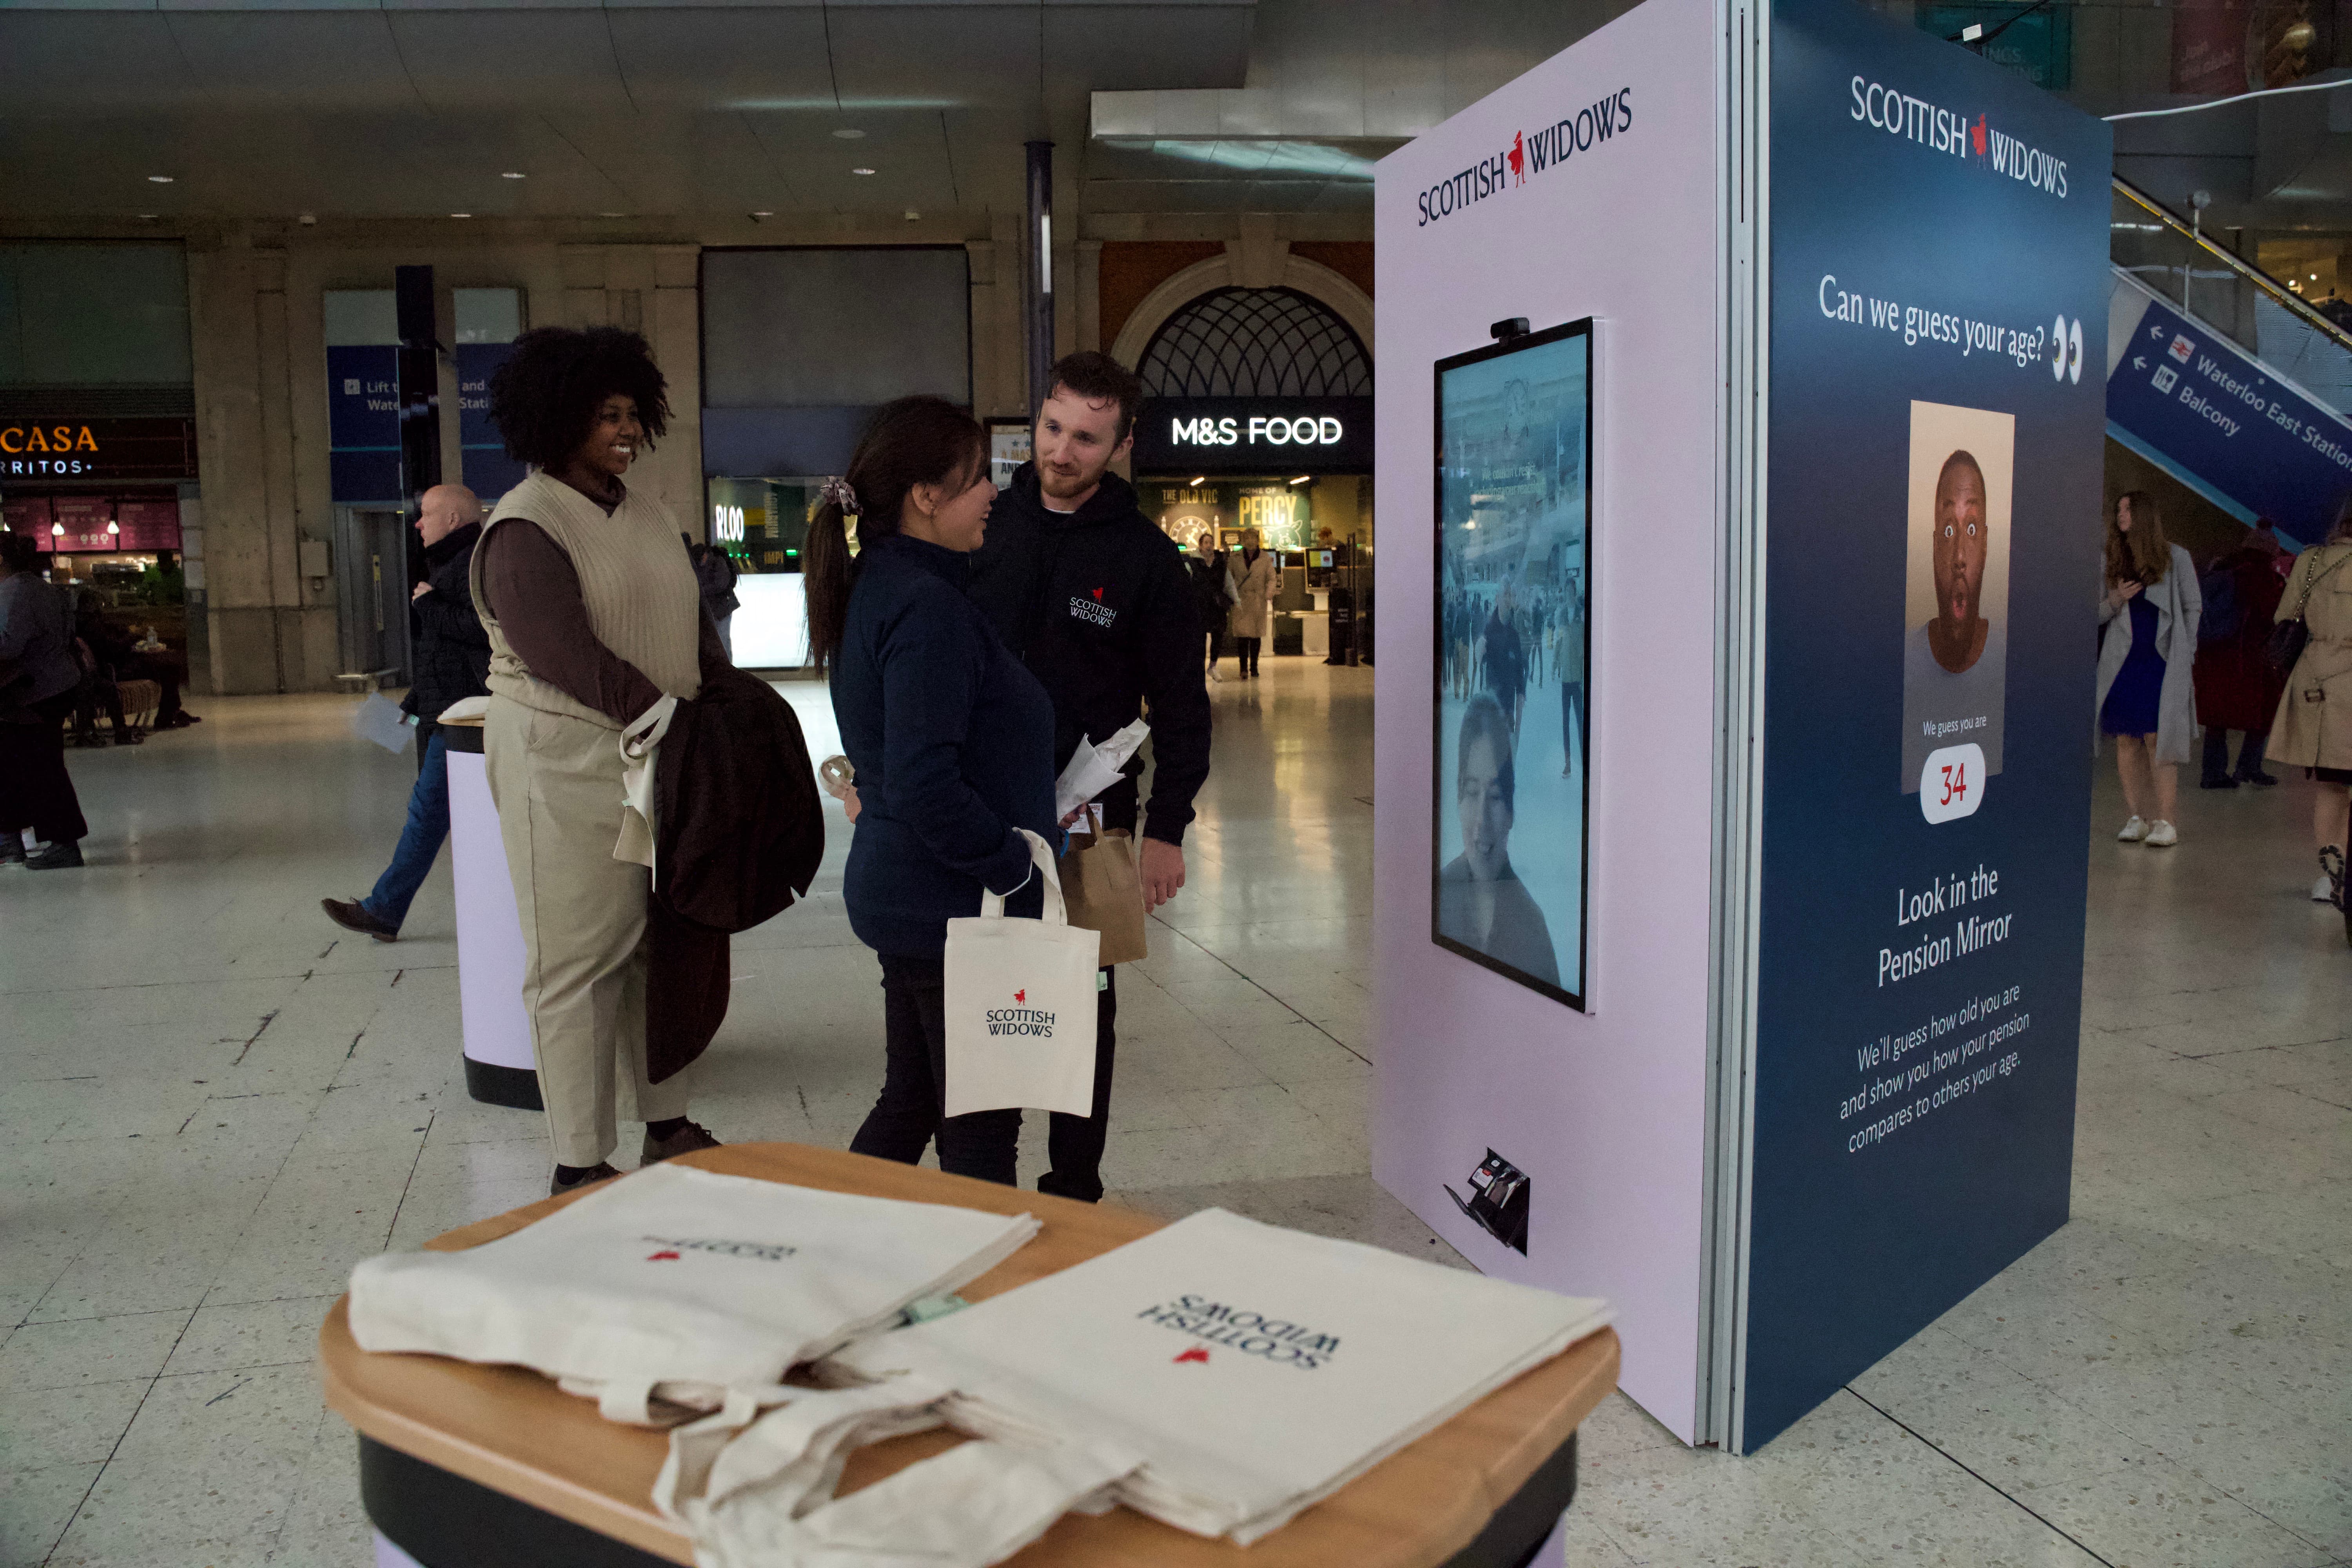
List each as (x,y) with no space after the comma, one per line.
(1089,594)
(593,616)
(2236,687)
(715,574)
(97,646)
(1507,668)
(453,661)
(1212,593)
(1254,590)
(952,742)
(39,679)
(2150,610)
(2306,732)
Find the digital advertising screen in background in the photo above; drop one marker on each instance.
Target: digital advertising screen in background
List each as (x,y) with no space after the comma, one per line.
(1940,305)
(1508,876)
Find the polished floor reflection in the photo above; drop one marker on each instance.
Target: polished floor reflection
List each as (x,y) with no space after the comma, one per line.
(215,1102)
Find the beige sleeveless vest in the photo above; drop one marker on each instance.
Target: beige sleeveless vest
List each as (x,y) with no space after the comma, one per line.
(642,598)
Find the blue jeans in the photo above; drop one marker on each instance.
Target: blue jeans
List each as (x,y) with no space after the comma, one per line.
(420,841)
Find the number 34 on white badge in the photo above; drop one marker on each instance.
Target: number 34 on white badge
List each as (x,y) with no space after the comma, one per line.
(1951,782)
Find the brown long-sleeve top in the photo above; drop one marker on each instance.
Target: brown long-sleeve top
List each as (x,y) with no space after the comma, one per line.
(534,594)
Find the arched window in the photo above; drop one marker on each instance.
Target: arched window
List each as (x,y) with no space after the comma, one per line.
(1255,342)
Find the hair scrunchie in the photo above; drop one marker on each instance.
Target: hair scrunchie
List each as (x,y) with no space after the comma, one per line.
(838,492)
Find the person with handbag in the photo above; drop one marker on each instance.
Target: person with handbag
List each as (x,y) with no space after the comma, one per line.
(2314,636)
(595,627)
(951,741)
(1212,591)
(1093,598)
(2146,693)
(2236,687)
(38,683)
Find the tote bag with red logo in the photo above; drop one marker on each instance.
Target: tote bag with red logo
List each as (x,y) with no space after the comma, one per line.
(1021,1006)
(664,1291)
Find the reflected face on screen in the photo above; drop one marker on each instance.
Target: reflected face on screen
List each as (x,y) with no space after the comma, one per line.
(1486,805)
(1959,540)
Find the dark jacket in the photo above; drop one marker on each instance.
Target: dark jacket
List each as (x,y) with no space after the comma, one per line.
(2236,687)
(453,651)
(1098,603)
(952,742)
(1211,594)
(739,833)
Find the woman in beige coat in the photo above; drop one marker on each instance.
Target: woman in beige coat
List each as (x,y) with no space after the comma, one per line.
(2306,732)
(1254,581)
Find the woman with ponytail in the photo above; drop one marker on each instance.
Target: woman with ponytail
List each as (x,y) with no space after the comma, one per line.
(952,741)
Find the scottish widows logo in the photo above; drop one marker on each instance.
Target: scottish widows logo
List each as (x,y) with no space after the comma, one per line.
(1020,1019)
(1243,1330)
(1952,134)
(1530,154)
(755,1251)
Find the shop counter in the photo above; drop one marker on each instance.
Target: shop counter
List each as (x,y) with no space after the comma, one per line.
(493,1467)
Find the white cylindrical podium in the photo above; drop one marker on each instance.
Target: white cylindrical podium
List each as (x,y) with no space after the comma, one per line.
(498,1066)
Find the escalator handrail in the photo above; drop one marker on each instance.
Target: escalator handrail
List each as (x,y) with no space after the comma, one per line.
(2296,304)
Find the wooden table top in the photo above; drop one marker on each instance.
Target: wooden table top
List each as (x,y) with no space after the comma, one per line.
(514,1431)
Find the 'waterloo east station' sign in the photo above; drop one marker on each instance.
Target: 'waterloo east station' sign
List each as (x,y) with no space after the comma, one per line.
(97,449)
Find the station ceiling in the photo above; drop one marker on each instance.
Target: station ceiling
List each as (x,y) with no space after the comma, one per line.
(376,109)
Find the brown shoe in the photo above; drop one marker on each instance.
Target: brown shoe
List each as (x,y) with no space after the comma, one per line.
(352,915)
(685,1141)
(557,1186)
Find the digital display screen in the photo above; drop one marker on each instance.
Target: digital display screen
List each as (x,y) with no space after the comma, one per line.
(1509,872)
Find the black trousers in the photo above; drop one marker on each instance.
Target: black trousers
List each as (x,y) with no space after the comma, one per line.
(907,1117)
(1245,653)
(36,791)
(1075,1143)
(2249,752)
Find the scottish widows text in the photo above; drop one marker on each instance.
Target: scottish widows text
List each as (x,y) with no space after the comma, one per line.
(1252,1334)
(1021,1021)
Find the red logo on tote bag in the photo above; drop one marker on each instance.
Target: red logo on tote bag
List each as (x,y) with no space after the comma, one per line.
(1195,1353)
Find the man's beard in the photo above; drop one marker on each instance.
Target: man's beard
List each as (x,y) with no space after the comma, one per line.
(1060,489)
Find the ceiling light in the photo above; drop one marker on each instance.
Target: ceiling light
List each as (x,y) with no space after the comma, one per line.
(1198,478)
(110,528)
(763,213)
(56,530)
(912,215)
(612,215)
(861,171)
(159,179)
(307,219)
(461,215)
(149,217)
(511,175)
(850,133)
(1302,478)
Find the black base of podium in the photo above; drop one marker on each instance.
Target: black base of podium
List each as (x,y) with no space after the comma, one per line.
(517,1088)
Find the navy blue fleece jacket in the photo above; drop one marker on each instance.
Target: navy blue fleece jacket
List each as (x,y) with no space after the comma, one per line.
(953,744)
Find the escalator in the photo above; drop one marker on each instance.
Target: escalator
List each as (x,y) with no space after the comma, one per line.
(2222,379)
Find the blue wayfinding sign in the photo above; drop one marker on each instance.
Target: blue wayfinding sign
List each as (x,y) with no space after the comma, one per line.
(1939,311)
(488,471)
(363,422)
(2198,407)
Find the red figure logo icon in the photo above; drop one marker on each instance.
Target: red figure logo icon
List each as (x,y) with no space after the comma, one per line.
(1979,132)
(1098,595)
(663,1257)
(1022,995)
(1195,1353)
(1517,157)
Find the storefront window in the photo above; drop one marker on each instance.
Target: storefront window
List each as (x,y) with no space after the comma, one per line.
(762,525)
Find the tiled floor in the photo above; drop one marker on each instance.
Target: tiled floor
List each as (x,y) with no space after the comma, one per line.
(214,1102)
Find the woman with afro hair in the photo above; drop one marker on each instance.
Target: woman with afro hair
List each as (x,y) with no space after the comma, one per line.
(594,618)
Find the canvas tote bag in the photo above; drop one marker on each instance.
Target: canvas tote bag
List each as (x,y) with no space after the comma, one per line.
(1255,1370)
(1104,893)
(678,1285)
(1020,998)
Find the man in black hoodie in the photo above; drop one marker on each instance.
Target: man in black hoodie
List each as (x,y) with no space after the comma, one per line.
(453,655)
(1089,594)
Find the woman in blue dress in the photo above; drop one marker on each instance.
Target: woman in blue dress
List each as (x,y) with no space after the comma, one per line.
(2145,701)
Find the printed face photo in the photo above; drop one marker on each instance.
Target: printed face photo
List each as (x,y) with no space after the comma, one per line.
(1956,601)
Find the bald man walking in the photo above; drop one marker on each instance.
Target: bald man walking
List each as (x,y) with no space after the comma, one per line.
(453,655)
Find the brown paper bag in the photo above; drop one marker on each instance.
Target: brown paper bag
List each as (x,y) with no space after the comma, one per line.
(1104,893)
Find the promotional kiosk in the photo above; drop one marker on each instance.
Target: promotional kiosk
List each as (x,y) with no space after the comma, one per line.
(1735,685)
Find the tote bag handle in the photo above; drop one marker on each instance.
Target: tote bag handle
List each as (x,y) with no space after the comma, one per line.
(992,905)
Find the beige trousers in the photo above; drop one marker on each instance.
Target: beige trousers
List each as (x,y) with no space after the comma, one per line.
(557,783)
